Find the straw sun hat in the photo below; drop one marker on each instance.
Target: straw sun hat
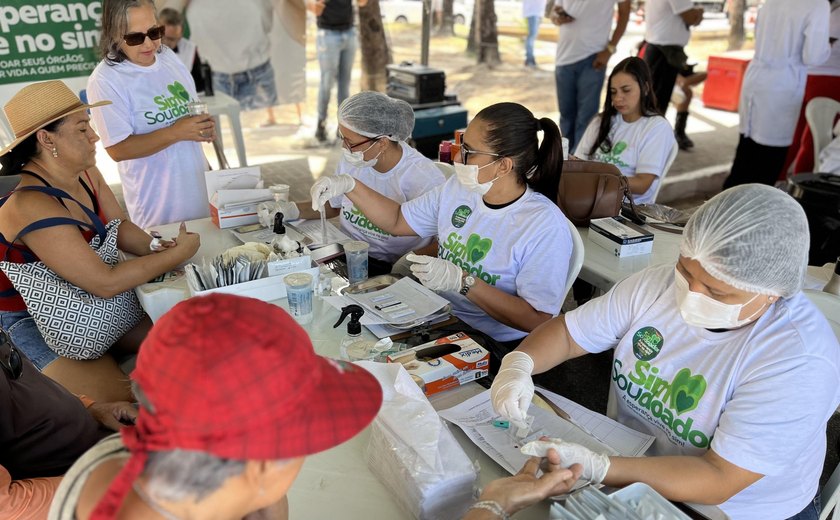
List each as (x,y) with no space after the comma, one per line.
(39,104)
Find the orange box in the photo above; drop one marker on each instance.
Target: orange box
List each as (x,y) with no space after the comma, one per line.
(725,76)
(445,363)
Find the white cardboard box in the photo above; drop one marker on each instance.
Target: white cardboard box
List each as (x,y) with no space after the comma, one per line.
(620,236)
(266,289)
(234,195)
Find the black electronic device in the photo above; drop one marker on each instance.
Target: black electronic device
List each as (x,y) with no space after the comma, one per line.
(416,84)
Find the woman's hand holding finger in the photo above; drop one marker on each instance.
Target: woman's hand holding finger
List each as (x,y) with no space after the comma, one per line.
(187,242)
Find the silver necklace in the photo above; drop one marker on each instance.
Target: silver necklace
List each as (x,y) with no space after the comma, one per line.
(151,503)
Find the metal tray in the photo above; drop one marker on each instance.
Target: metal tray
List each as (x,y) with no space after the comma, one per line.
(372,284)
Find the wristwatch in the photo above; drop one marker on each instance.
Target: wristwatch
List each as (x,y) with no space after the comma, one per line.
(611,48)
(467,284)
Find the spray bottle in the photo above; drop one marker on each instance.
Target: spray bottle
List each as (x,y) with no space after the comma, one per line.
(281,244)
(354,328)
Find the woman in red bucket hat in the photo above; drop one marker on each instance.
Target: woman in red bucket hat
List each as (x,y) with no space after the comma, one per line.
(232,399)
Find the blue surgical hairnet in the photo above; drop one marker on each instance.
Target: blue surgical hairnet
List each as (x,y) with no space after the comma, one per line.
(753,237)
(373,114)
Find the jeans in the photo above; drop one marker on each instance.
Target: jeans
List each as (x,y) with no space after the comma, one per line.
(26,337)
(578,93)
(811,511)
(533,29)
(253,88)
(336,52)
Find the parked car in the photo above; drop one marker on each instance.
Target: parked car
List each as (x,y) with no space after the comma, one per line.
(411,11)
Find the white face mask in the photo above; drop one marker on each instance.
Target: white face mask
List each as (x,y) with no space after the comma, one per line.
(467,175)
(700,310)
(357,159)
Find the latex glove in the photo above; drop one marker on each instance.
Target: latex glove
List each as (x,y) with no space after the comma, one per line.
(435,273)
(595,465)
(513,388)
(326,188)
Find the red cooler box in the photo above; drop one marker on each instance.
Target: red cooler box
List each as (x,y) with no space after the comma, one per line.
(726,75)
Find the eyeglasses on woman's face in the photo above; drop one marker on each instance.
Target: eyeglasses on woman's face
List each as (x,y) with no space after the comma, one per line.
(9,356)
(465,153)
(134,39)
(350,145)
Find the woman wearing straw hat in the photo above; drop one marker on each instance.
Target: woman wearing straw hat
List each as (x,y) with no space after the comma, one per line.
(147,129)
(54,147)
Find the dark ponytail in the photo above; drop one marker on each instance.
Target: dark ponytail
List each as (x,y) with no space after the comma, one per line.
(12,162)
(512,132)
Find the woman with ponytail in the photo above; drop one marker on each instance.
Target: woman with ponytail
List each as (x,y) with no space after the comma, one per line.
(504,245)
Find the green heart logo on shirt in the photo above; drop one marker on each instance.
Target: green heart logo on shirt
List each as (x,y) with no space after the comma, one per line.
(177,89)
(686,391)
(477,247)
(619,147)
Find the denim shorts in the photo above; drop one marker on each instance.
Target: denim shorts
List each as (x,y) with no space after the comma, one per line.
(253,88)
(26,337)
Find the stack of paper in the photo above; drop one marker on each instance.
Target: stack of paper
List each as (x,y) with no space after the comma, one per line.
(400,306)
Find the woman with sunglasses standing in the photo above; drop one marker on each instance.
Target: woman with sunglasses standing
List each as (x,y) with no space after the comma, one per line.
(148,129)
(504,244)
(373,129)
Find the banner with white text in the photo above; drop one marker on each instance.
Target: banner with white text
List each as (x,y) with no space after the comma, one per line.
(48,39)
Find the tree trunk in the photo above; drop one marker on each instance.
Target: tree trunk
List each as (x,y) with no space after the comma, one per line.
(375,52)
(447,23)
(484,24)
(737,34)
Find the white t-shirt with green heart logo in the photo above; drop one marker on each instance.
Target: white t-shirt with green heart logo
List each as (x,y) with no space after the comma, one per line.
(759,396)
(412,176)
(167,186)
(522,249)
(642,146)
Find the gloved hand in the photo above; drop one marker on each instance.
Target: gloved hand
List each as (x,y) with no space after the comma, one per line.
(513,388)
(595,465)
(435,273)
(326,188)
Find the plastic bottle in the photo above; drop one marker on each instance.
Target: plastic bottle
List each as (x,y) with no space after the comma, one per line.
(281,244)
(833,285)
(354,328)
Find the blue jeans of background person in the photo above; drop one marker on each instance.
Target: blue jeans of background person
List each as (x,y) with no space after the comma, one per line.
(811,511)
(578,94)
(25,335)
(336,52)
(533,29)
(253,88)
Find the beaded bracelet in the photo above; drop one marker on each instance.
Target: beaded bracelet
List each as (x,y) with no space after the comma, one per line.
(492,506)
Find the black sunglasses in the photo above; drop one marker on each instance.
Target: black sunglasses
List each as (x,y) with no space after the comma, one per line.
(137,38)
(9,356)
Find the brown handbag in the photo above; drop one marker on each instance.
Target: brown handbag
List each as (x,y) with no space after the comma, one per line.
(591,189)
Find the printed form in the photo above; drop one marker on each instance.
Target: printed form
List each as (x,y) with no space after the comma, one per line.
(476,415)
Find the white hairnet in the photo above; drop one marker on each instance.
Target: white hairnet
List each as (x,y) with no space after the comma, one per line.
(752,237)
(373,114)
